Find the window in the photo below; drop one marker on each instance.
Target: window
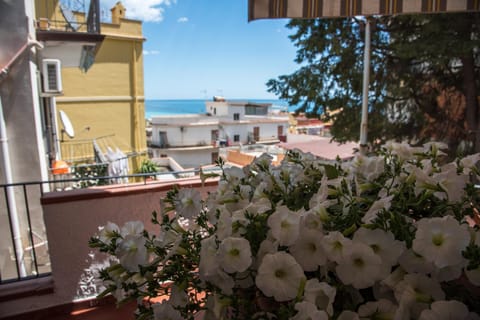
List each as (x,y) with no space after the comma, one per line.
(255,110)
(236,138)
(236,116)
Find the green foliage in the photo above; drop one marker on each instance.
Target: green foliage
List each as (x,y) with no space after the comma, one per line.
(414,59)
(148,166)
(90,173)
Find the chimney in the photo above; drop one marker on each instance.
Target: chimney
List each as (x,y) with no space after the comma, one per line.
(118,12)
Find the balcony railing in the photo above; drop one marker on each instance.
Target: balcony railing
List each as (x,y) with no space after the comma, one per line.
(72,19)
(24,253)
(24,247)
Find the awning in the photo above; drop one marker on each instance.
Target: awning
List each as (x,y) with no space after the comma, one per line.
(272,9)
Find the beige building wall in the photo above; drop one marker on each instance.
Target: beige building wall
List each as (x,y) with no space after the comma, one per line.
(106,103)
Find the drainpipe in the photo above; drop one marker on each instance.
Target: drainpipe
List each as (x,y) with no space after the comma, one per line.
(136,123)
(12,205)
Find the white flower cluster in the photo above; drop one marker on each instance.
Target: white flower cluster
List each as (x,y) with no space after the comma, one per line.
(379,237)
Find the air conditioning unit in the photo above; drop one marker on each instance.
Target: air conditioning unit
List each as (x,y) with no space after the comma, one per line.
(52,77)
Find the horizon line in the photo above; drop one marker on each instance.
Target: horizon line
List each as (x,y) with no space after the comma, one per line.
(209,98)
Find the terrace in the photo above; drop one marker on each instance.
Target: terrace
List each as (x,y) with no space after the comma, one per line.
(64,287)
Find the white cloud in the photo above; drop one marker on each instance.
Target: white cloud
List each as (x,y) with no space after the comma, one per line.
(150,52)
(145,10)
(182,19)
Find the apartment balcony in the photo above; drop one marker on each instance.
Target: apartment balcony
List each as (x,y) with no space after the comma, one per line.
(70,218)
(69,35)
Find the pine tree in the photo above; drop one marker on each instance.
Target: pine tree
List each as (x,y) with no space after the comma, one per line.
(424,76)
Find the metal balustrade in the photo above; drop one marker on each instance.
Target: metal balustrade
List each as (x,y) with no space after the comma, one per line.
(23,242)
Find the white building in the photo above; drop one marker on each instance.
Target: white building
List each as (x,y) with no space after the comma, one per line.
(193,139)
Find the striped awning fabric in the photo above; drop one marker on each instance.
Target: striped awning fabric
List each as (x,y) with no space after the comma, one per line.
(271,9)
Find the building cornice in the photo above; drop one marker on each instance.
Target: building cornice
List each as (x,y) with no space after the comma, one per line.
(100,99)
(124,37)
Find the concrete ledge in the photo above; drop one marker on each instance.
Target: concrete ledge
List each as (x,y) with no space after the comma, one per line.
(92,309)
(120,190)
(26,288)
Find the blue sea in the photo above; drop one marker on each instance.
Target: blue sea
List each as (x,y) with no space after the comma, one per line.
(196,106)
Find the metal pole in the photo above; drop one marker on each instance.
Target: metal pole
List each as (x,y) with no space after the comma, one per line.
(366,82)
(12,204)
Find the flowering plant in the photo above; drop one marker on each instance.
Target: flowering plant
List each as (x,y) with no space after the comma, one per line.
(385,236)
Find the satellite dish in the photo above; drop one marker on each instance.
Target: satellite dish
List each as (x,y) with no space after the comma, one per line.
(69,16)
(67,125)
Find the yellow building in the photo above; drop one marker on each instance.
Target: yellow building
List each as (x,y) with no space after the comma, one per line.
(105,104)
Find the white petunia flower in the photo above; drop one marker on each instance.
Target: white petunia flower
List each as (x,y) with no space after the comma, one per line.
(348,315)
(209,267)
(188,203)
(376,207)
(423,181)
(381,309)
(360,266)
(222,280)
(267,246)
(284,225)
(280,276)
(334,245)
(288,174)
(403,150)
(312,219)
(415,292)
(224,224)
(264,160)
(448,310)
(393,278)
(435,147)
(234,175)
(132,228)
(308,250)
(166,237)
(412,262)
(321,294)
(131,252)
(308,311)
(370,168)
(441,240)
(164,311)
(321,195)
(208,258)
(452,183)
(108,231)
(234,254)
(449,273)
(473,276)
(216,309)
(239,223)
(469,162)
(259,206)
(383,244)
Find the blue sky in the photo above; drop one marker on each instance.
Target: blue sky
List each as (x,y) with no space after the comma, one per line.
(201,48)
